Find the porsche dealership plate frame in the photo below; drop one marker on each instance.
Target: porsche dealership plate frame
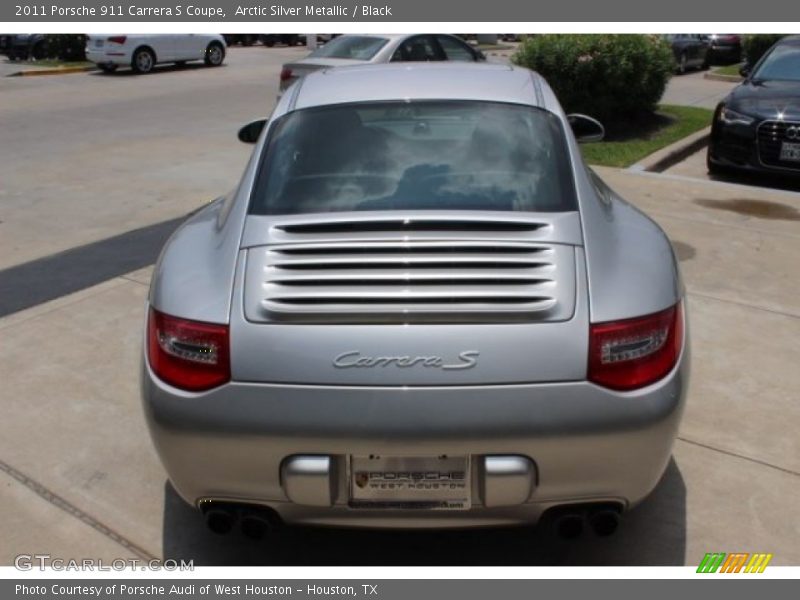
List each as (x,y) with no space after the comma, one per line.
(410,482)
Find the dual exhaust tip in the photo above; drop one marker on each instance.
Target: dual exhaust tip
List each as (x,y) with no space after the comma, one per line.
(255,522)
(570,523)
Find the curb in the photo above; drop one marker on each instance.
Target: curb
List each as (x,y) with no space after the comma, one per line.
(721,77)
(663,159)
(53,71)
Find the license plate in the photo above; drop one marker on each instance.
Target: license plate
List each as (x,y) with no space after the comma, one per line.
(418,482)
(98,43)
(790,151)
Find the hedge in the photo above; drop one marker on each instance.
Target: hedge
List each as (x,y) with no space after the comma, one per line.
(756,45)
(609,77)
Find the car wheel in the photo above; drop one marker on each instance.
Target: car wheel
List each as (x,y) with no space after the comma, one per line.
(143,60)
(39,50)
(108,68)
(683,63)
(215,54)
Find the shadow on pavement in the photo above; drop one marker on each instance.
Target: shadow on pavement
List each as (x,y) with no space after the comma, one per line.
(654,533)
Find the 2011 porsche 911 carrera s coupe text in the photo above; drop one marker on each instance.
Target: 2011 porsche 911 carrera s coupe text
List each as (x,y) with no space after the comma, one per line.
(418,309)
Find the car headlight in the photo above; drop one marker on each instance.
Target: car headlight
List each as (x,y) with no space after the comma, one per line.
(731,117)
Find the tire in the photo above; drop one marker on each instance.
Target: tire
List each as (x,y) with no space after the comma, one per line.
(39,50)
(683,62)
(215,54)
(108,68)
(143,61)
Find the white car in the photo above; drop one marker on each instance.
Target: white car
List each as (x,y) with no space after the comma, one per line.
(350,50)
(143,52)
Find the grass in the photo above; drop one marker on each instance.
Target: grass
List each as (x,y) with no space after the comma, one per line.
(729,70)
(628,142)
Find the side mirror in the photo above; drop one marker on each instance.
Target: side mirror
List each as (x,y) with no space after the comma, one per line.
(744,71)
(586,129)
(250,132)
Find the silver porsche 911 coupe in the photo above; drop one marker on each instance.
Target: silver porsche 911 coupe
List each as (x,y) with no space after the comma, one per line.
(419,308)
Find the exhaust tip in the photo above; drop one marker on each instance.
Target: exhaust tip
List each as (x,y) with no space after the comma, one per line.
(219,521)
(255,526)
(569,526)
(604,522)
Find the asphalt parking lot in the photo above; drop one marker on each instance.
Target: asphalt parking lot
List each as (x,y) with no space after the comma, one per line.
(87,159)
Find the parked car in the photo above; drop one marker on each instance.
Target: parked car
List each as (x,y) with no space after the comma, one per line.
(349,50)
(757,126)
(245,39)
(418,308)
(143,52)
(287,39)
(691,51)
(725,48)
(23,46)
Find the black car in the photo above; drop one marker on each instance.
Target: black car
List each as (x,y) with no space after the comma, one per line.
(23,46)
(725,48)
(691,50)
(757,126)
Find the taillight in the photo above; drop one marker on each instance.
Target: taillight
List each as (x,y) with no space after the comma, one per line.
(188,354)
(118,39)
(286,74)
(629,354)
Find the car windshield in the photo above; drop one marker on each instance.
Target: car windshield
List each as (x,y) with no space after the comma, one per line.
(354,47)
(782,63)
(415,155)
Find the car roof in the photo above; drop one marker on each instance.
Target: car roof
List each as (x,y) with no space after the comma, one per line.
(416,81)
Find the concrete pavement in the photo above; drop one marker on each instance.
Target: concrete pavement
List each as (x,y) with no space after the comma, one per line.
(692,89)
(73,423)
(88,156)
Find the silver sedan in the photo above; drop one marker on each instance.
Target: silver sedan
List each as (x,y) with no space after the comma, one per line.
(419,308)
(350,50)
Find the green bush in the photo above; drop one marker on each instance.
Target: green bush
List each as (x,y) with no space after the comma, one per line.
(609,77)
(66,47)
(756,45)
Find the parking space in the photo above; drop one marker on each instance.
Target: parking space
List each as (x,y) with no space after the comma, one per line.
(88,157)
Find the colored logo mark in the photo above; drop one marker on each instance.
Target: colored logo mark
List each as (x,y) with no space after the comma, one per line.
(736,562)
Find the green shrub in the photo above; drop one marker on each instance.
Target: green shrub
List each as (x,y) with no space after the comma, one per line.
(609,77)
(756,45)
(66,47)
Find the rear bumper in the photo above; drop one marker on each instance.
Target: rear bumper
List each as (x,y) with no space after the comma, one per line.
(587,443)
(108,56)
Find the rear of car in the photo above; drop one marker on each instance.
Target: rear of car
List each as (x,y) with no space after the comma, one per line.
(413,332)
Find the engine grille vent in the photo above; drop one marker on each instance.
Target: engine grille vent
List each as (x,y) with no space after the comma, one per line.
(403,279)
(771,136)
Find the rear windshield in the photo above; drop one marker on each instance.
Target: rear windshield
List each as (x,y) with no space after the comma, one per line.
(356,47)
(415,155)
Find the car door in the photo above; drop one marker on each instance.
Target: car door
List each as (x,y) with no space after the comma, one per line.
(418,48)
(455,49)
(193,46)
(163,44)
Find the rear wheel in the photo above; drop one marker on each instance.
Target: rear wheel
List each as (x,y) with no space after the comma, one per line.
(683,63)
(215,54)
(39,50)
(143,61)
